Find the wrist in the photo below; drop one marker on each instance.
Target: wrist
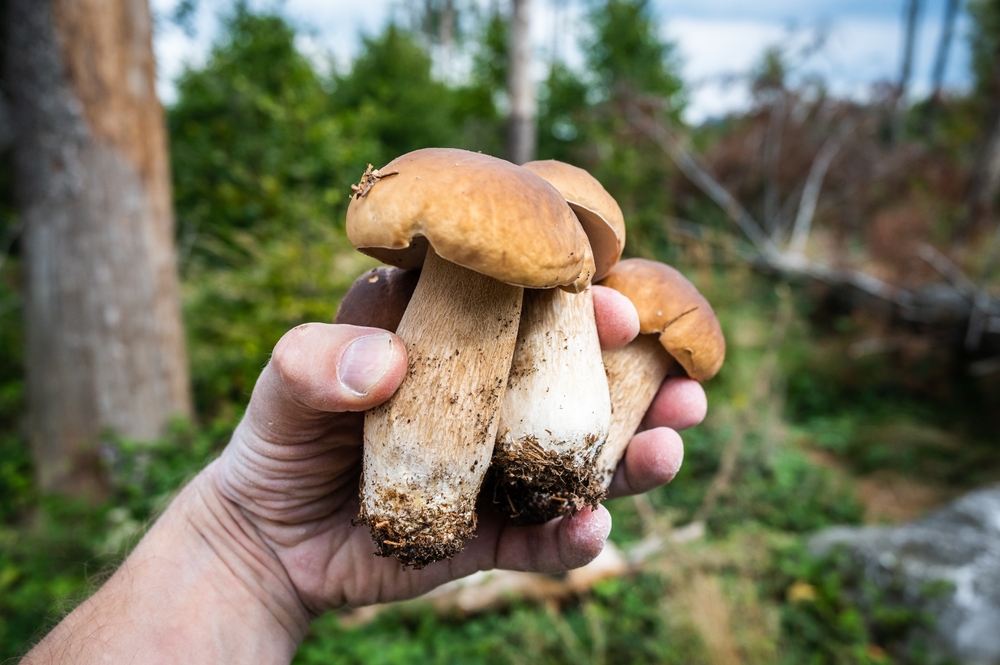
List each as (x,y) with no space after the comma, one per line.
(200,587)
(240,564)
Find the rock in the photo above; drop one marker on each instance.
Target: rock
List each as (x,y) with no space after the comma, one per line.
(959,544)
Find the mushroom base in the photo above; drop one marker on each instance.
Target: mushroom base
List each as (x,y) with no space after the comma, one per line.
(533,486)
(417,535)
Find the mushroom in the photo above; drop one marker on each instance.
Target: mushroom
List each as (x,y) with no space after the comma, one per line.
(557,411)
(483,229)
(678,331)
(378,298)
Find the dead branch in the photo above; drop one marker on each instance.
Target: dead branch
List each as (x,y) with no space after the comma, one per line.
(941,304)
(813,186)
(699,175)
(947,268)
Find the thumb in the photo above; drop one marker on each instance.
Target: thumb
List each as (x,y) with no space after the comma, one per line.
(318,368)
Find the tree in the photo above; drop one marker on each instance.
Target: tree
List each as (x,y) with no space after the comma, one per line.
(911,15)
(585,116)
(102,308)
(985,42)
(944,48)
(521,138)
(628,56)
(391,98)
(255,145)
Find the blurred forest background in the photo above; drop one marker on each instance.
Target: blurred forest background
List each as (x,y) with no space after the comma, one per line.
(850,249)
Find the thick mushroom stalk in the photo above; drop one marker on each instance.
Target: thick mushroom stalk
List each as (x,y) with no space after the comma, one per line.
(678,331)
(557,411)
(635,373)
(471,221)
(420,507)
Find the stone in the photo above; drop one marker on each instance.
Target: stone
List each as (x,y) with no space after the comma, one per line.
(959,544)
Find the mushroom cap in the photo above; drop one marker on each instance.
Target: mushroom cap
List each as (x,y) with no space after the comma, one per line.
(670,305)
(598,212)
(378,298)
(477,211)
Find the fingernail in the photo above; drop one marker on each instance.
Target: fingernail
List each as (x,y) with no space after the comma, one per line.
(365,362)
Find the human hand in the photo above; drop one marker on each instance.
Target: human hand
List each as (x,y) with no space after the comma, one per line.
(261,541)
(294,462)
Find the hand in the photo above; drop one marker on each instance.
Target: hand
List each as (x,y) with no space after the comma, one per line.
(294,462)
(261,541)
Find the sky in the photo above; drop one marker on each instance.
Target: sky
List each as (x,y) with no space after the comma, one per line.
(717,40)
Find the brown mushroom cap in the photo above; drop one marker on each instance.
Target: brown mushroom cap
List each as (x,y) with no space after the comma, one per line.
(670,305)
(476,211)
(598,212)
(378,298)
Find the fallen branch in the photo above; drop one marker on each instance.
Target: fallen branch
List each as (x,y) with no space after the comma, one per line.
(941,304)
(686,162)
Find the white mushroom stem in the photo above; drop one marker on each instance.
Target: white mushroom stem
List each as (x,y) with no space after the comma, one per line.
(635,373)
(428,448)
(556,413)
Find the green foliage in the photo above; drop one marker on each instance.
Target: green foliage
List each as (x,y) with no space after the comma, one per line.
(984,40)
(584,117)
(390,100)
(253,144)
(623,622)
(626,51)
(59,550)
(834,615)
(235,316)
(481,125)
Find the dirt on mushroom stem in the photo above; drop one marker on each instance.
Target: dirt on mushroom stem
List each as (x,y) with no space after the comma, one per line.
(532,486)
(556,412)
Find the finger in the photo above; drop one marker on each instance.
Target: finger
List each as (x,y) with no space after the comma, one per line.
(652,459)
(617,320)
(558,545)
(317,369)
(679,404)
(378,298)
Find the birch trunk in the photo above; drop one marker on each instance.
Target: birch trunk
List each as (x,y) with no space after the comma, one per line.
(521,123)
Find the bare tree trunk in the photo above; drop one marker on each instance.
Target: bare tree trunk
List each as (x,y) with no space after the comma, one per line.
(105,340)
(944,47)
(521,123)
(985,177)
(911,14)
(985,182)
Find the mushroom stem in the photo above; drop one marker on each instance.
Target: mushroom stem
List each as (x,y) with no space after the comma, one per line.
(428,448)
(556,413)
(635,373)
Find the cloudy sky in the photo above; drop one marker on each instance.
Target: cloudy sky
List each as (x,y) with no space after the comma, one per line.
(717,39)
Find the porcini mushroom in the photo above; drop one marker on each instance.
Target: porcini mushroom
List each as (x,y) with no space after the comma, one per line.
(678,330)
(557,411)
(378,298)
(483,229)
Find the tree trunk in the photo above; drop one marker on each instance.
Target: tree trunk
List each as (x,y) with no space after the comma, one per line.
(102,306)
(910,14)
(985,176)
(521,89)
(944,48)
